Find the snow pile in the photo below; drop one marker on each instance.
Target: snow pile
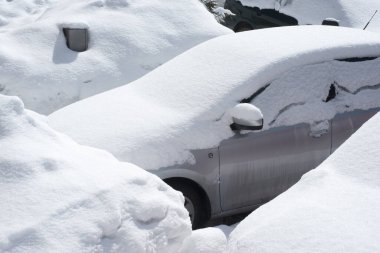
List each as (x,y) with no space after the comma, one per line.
(127,39)
(182,105)
(207,240)
(334,208)
(350,13)
(58,196)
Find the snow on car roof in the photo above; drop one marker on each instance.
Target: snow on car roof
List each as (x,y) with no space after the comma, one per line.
(127,39)
(58,196)
(350,13)
(334,208)
(184,104)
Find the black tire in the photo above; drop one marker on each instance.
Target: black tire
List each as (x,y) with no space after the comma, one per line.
(192,197)
(243,27)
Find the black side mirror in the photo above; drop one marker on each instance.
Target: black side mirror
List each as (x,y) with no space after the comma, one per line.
(239,127)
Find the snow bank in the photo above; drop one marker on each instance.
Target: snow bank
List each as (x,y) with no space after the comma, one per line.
(182,105)
(128,38)
(58,196)
(350,13)
(334,208)
(207,240)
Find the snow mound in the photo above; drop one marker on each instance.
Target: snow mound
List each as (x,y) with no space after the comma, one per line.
(58,196)
(182,105)
(207,240)
(127,39)
(334,208)
(350,13)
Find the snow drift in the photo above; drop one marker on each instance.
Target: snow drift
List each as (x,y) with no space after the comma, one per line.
(350,13)
(334,208)
(58,196)
(128,38)
(184,104)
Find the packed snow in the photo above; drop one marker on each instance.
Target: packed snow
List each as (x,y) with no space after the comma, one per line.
(182,105)
(207,240)
(58,196)
(127,39)
(350,13)
(334,208)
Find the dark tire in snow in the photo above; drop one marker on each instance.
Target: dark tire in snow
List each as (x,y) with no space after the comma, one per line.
(242,27)
(193,203)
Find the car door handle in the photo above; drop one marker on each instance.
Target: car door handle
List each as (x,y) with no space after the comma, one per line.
(318,133)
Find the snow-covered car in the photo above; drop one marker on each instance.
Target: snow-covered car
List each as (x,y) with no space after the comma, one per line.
(334,208)
(125,40)
(255,14)
(247,18)
(182,120)
(58,196)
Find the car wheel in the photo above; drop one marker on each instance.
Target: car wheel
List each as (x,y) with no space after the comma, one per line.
(243,27)
(193,203)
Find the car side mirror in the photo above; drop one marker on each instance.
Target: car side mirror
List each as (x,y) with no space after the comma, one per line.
(246,116)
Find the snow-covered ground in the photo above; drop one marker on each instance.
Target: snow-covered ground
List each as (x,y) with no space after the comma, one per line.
(185,104)
(350,13)
(58,196)
(127,40)
(334,208)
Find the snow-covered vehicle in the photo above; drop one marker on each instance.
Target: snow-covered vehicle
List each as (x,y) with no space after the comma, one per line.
(182,120)
(247,18)
(126,40)
(255,14)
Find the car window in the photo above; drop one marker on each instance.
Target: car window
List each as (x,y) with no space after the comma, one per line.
(315,93)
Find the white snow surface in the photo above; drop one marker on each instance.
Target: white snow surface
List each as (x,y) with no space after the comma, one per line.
(206,240)
(58,196)
(184,104)
(334,208)
(127,39)
(350,13)
(246,114)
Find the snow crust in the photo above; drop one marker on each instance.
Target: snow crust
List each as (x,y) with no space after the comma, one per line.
(350,13)
(58,196)
(127,39)
(183,104)
(334,208)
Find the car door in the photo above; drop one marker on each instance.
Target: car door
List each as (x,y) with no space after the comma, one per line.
(257,166)
(345,124)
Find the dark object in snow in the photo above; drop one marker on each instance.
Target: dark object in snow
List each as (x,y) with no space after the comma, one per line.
(250,18)
(330,21)
(332,93)
(76,38)
(365,27)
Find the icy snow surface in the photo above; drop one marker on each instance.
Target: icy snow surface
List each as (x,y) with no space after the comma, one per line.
(334,208)
(58,196)
(350,13)
(184,104)
(127,39)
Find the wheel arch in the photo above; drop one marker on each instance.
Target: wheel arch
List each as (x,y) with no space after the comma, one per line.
(202,193)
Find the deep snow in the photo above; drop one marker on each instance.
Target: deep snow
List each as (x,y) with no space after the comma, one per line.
(350,13)
(128,38)
(334,208)
(58,196)
(185,104)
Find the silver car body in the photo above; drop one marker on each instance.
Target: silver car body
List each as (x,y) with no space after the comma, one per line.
(250,169)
